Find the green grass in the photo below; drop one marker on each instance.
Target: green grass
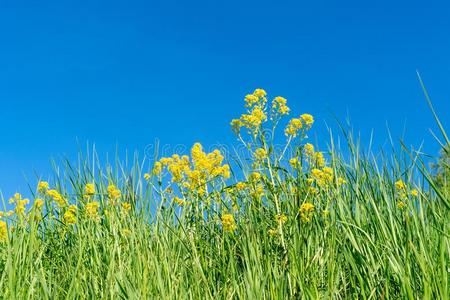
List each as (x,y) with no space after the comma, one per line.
(356,244)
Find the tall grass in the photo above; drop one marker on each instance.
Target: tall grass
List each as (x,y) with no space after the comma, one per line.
(368,236)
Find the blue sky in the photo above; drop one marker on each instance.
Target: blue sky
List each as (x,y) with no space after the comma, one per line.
(126,72)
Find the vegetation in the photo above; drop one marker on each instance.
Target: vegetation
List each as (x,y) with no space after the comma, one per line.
(274,223)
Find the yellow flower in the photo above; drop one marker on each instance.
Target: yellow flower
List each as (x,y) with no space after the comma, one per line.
(279,106)
(3,231)
(228,223)
(89,189)
(341,181)
(255,177)
(126,206)
(91,210)
(56,196)
(240,186)
(272,232)
(38,203)
(236,125)
(157,168)
(113,192)
(70,218)
(320,160)
(414,193)
(42,186)
(260,93)
(293,127)
(400,185)
(401,204)
(306,211)
(260,153)
(179,201)
(308,119)
(293,162)
(147,176)
(281,218)
(20,206)
(309,149)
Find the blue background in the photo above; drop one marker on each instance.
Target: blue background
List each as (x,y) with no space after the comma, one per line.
(124,73)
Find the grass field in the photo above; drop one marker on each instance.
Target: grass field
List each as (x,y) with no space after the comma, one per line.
(289,222)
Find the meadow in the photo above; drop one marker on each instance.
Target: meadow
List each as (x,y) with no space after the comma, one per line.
(289,222)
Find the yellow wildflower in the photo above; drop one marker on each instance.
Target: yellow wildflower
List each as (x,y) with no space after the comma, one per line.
(293,162)
(38,203)
(281,218)
(89,189)
(157,168)
(240,186)
(91,210)
(228,223)
(401,204)
(56,196)
(293,127)
(260,153)
(400,185)
(179,201)
(309,149)
(272,232)
(126,206)
(42,186)
(279,106)
(113,192)
(414,193)
(308,120)
(3,231)
(306,211)
(236,125)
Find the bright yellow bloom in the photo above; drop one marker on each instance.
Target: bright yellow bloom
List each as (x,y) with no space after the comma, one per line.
(251,100)
(293,162)
(179,201)
(260,153)
(240,186)
(89,189)
(126,206)
(3,231)
(400,185)
(341,181)
(279,106)
(308,120)
(281,218)
(236,125)
(272,232)
(91,210)
(414,193)
(401,204)
(38,203)
(228,223)
(309,149)
(147,176)
(320,160)
(69,218)
(293,127)
(255,177)
(157,168)
(306,211)
(42,186)
(56,196)
(113,192)
(260,93)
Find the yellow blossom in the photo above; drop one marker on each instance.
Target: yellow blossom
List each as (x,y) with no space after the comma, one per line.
(293,127)
(281,218)
(401,204)
(56,196)
(38,203)
(400,185)
(91,210)
(126,206)
(147,176)
(240,186)
(308,120)
(260,153)
(113,192)
(294,162)
(228,223)
(3,231)
(157,168)
(414,193)
(179,201)
(89,189)
(42,186)
(306,211)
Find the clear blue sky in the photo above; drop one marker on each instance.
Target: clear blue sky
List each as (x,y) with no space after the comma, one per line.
(127,72)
